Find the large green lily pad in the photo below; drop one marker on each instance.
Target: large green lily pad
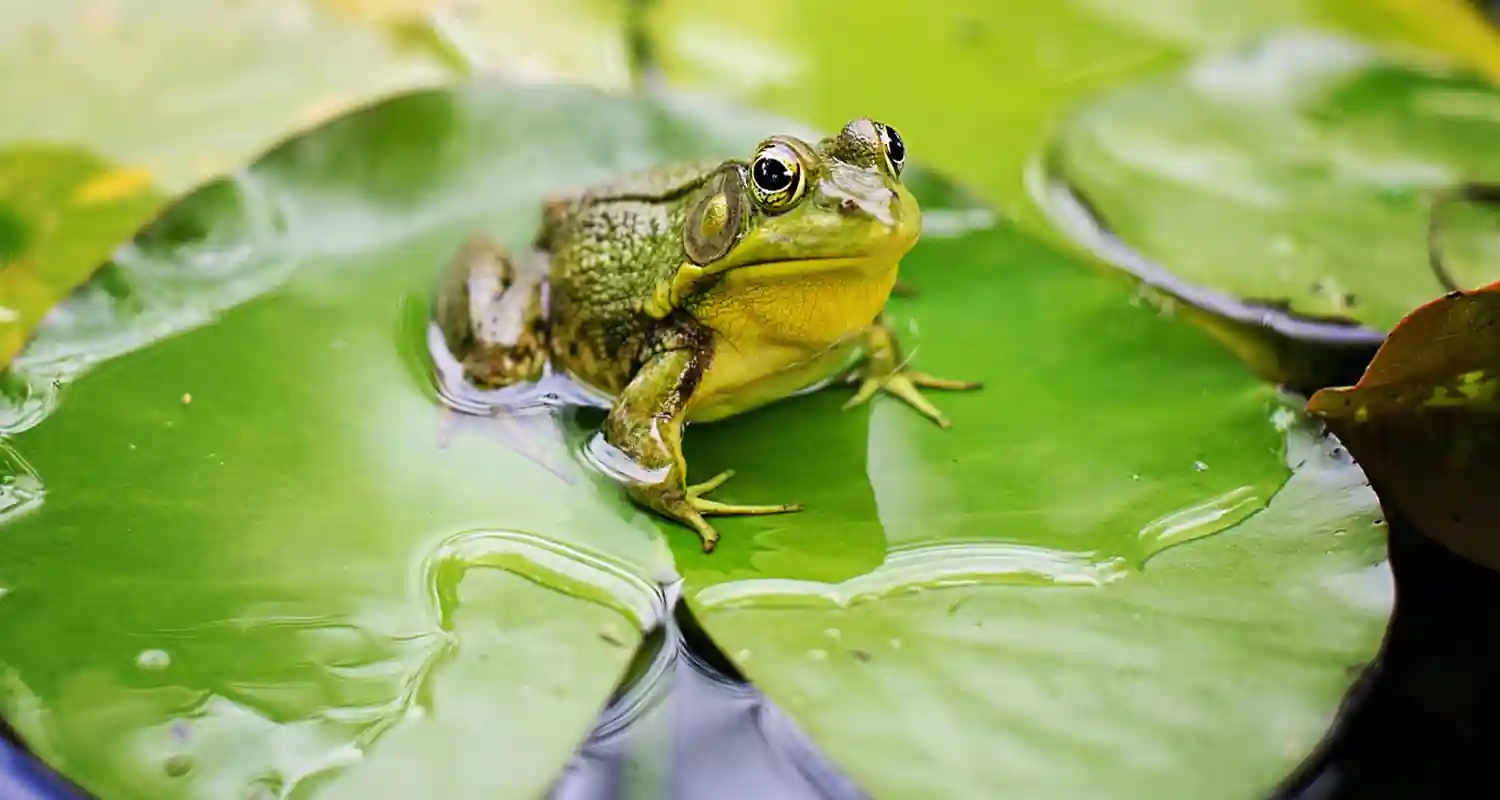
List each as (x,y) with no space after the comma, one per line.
(1026,633)
(1296,173)
(254,547)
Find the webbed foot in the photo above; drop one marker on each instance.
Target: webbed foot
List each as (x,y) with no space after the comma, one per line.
(694,507)
(884,371)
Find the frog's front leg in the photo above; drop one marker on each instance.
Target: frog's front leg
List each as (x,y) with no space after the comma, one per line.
(885,370)
(645,424)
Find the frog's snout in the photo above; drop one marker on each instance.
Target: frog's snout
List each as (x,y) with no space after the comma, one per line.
(881,206)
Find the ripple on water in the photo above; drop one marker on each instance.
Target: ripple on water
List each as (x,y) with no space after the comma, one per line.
(553,565)
(927,566)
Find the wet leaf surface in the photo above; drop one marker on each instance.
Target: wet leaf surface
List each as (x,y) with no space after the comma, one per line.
(1422,421)
(1016,637)
(305,572)
(257,551)
(1296,173)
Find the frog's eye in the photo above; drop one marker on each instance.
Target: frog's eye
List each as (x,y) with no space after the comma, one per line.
(895,149)
(777,177)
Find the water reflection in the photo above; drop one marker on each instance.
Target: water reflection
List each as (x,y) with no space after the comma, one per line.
(704,732)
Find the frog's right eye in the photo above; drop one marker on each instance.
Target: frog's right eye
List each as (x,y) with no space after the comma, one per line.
(776,177)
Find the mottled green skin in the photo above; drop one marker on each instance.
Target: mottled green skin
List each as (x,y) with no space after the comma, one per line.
(610,247)
(691,292)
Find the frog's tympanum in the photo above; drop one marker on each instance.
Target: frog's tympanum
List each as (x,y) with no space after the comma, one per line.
(695,291)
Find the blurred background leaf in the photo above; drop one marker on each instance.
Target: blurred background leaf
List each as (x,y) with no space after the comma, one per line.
(179,92)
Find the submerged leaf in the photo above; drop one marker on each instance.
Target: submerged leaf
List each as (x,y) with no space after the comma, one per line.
(1424,421)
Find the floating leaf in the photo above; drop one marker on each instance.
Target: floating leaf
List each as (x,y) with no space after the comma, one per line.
(1424,421)
(1295,175)
(1035,629)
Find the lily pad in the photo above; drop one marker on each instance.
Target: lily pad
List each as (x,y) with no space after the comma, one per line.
(1035,629)
(1295,174)
(1422,421)
(250,547)
(258,549)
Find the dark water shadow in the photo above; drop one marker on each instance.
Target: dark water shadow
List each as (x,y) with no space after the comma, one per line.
(1421,721)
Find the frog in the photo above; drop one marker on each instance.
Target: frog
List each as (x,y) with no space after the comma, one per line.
(699,290)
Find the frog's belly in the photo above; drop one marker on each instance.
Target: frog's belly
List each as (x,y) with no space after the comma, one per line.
(742,386)
(780,331)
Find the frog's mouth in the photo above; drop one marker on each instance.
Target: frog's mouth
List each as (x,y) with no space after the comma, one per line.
(872,265)
(865,270)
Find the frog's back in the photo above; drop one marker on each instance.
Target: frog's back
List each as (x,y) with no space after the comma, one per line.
(609,246)
(660,184)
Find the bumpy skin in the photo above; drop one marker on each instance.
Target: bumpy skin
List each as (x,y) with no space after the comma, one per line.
(696,291)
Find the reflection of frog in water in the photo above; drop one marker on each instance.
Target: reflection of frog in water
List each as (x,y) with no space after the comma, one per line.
(692,292)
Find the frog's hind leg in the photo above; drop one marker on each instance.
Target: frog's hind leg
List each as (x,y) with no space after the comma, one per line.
(645,425)
(491,309)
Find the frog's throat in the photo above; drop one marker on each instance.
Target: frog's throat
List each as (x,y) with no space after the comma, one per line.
(690,278)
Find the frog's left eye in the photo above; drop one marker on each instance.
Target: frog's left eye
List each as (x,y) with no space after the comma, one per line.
(895,148)
(777,178)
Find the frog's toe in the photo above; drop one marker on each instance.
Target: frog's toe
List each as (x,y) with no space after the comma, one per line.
(904,385)
(706,506)
(710,484)
(705,531)
(703,505)
(927,381)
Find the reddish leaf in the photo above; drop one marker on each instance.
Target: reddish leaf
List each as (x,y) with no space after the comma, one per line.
(1424,421)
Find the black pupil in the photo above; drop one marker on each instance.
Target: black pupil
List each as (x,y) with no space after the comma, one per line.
(771,174)
(894,146)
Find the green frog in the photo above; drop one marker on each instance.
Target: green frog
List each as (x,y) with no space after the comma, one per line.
(695,291)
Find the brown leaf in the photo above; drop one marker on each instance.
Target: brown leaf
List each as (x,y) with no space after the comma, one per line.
(1424,421)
